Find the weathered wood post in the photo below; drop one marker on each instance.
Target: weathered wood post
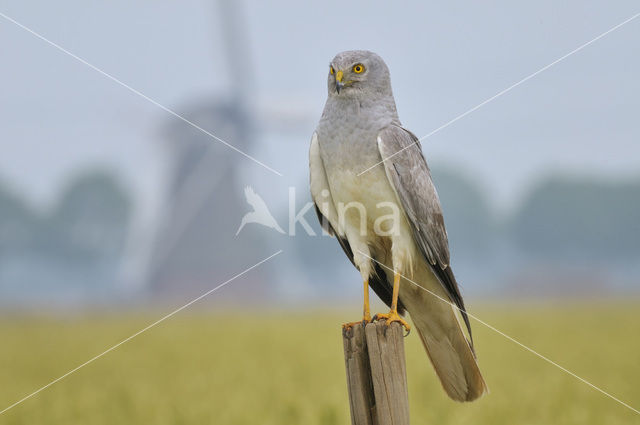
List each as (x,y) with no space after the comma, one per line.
(376,374)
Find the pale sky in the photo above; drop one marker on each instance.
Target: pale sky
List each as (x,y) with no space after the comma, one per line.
(580,116)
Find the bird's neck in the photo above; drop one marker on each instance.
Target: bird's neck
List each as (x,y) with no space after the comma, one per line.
(369,110)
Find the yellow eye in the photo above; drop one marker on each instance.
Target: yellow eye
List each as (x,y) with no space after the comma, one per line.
(331,71)
(358,68)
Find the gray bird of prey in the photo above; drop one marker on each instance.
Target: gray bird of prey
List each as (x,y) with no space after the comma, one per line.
(388,220)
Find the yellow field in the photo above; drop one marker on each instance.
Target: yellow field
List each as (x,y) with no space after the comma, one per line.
(201,368)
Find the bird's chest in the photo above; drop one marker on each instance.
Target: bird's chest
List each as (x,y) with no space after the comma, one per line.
(360,198)
(347,139)
(349,143)
(369,191)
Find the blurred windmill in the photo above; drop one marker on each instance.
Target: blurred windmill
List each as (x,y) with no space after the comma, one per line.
(196,245)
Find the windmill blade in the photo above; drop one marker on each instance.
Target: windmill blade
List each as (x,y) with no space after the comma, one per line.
(236,44)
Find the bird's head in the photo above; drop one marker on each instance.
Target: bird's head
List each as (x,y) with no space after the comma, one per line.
(358,72)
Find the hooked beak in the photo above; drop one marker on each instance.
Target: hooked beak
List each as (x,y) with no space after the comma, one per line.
(339,83)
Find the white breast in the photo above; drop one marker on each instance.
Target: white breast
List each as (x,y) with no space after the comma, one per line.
(365,208)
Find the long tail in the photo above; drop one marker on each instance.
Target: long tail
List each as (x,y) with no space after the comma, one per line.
(447,346)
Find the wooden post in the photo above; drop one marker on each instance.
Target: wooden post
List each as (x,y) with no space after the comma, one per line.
(376,374)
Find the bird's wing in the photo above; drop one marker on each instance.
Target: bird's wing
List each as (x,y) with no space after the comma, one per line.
(328,217)
(410,178)
(320,191)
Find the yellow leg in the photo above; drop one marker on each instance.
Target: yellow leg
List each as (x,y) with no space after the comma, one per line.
(366,314)
(393,315)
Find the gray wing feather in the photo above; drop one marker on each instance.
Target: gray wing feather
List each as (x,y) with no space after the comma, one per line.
(410,177)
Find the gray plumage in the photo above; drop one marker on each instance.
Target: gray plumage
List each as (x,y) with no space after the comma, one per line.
(359,128)
(409,173)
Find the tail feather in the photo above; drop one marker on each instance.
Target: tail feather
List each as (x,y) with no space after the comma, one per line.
(455,365)
(446,344)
